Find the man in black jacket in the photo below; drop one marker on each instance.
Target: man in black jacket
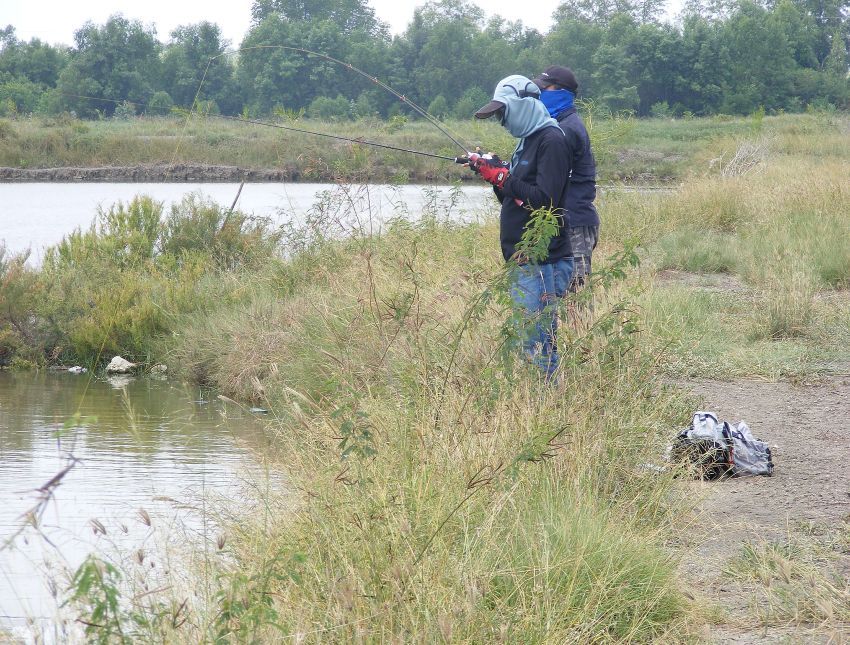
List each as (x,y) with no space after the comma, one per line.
(535,178)
(559,87)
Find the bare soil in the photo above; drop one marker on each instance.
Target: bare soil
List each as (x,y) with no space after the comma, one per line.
(717,282)
(808,428)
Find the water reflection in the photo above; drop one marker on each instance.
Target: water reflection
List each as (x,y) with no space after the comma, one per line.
(38,215)
(154,445)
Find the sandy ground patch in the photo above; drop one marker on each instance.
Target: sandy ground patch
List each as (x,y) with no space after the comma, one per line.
(808,428)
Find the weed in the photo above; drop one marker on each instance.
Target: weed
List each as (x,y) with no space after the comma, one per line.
(795,581)
(429,461)
(789,309)
(95,588)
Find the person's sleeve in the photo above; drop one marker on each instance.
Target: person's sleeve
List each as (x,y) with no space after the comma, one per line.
(553,171)
(499,194)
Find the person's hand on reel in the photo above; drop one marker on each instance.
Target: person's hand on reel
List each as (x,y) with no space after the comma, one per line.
(492,169)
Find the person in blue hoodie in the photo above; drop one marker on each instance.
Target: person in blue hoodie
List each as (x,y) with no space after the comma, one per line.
(536,177)
(558,87)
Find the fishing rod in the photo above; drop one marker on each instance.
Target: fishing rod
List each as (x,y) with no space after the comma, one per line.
(374,79)
(365,142)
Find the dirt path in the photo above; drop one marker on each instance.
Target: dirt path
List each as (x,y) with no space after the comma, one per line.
(806,502)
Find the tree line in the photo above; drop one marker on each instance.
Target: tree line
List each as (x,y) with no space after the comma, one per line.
(722,56)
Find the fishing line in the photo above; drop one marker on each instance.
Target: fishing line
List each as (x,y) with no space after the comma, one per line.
(357,140)
(336,136)
(374,79)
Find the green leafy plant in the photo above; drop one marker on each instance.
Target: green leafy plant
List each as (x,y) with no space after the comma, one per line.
(245,603)
(95,589)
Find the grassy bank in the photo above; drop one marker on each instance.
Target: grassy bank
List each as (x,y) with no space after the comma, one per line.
(436,490)
(751,264)
(636,151)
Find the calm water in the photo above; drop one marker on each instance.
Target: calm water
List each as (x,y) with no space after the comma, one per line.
(37,215)
(159,446)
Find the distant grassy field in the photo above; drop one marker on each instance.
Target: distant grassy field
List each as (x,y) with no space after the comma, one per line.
(635,151)
(749,260)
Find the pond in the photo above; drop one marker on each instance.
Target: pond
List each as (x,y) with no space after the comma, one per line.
(146,457)
(37,215)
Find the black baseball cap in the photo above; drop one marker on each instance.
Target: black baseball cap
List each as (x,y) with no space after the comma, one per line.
(489,110)
(557,75)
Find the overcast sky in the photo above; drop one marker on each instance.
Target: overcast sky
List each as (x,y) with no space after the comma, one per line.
(55,21)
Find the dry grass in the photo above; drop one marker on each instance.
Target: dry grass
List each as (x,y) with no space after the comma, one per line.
(797,582)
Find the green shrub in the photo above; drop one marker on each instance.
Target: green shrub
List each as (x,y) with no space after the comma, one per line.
(230,239)
(125,235)
(472,99)
(439,107)
(124,110)
(661,110)
(160,104)
(326,108)
(365,107)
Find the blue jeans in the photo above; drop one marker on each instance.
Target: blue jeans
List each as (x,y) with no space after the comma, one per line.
(536,290)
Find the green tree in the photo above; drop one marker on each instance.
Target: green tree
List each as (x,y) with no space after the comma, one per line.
(705,78)
(837,87)
(349,16)
(654,52)
(836,61)
(116,62)
(830,17)
(800,31)
(602,12)
(194,67)
(271,77)
(710,10)
(573,43)
(761,61)
(34,61)
(27,70)
(613,81)
(506,47)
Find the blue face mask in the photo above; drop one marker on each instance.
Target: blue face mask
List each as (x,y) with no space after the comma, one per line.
(556,101)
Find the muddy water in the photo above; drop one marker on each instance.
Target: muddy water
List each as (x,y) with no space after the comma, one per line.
(166,448)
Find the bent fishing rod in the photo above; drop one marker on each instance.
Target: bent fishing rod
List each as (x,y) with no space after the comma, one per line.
(374,79)
(375,144)
(364,142)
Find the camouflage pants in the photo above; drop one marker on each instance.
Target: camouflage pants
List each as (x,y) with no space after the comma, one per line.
(583,239)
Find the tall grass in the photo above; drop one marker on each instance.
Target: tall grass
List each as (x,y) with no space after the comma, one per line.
(436,487)
(443,493)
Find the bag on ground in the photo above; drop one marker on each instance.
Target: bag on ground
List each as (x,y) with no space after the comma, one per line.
(720,449)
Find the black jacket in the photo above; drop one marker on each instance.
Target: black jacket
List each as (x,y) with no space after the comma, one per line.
(539,180)
(582,188)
